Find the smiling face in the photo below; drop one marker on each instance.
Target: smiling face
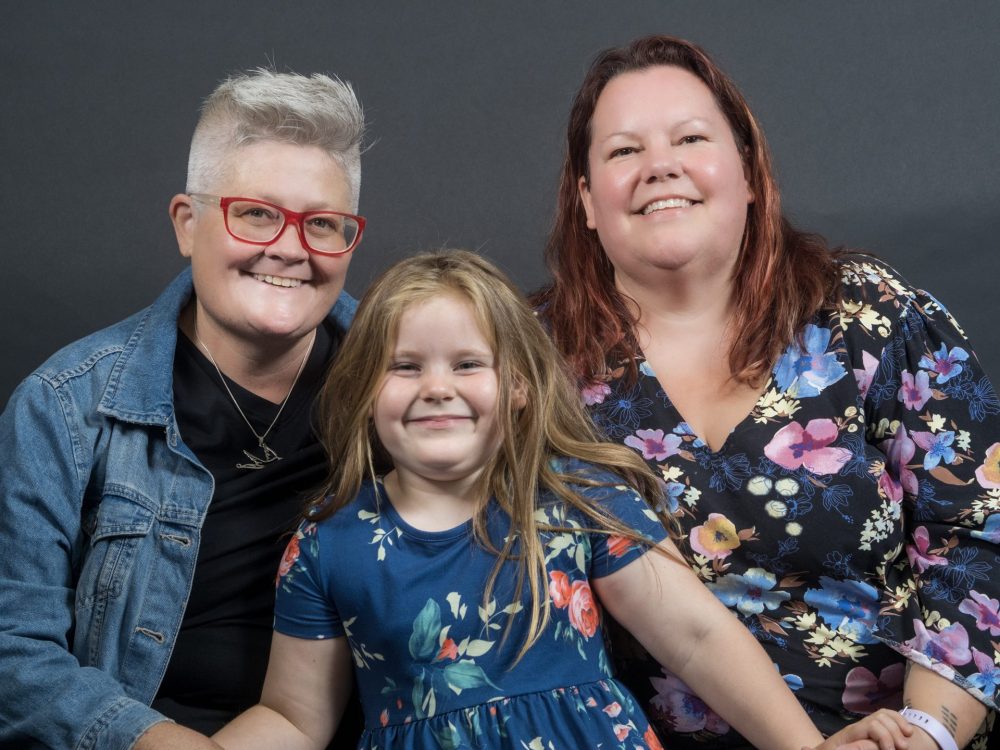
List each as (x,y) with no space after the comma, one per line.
(667,186)
(435,412)
(250,294)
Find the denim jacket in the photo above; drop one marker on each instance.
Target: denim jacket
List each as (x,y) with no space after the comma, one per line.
(101,506)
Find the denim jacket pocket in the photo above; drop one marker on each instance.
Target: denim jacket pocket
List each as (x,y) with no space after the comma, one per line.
(116,530)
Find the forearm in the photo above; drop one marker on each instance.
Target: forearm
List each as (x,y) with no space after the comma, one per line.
(959,713)
(748,692)
(265,728)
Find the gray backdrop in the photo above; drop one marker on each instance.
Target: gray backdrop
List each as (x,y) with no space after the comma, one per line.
(882,118)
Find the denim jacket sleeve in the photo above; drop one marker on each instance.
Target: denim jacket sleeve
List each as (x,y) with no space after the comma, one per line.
(47,698)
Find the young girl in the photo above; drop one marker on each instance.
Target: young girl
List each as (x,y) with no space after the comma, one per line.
(463,584)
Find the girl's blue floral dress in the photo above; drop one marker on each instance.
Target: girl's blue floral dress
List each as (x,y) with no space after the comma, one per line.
(433,660)
(850,521)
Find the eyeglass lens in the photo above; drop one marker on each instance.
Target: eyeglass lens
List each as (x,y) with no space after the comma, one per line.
(324,232)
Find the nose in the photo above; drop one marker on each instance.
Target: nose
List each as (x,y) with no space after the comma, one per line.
(662,162)
(436,385)
(288,245)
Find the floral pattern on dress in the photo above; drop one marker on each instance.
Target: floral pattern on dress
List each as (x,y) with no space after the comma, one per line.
(435,663)
(850,521)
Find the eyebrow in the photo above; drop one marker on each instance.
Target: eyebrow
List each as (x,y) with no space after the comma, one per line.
(412,353)
(679,124)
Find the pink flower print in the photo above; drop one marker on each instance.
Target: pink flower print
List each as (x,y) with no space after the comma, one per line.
(864,693)
(984,609)
(915,390)
(612,709)
(584,614)
(794,445)
(716,538)
(688,712)
(937,445)
(988,475)
(595,393)
(866,375)
(655,446)
(917,553)
(621,731)
(449,650)
(950,645)
(896,478)
(559,589)
(288,559)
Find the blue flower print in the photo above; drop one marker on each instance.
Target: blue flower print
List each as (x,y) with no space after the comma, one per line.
(684,429)
(846,605)
(803,374)
(946,364)
(672,492)
(646,370)
(991,530)
(749,593)
(938,447)
(988,677)
(620,413)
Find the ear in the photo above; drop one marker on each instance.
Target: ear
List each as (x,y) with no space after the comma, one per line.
(519,397)
(587,200)
(183,218)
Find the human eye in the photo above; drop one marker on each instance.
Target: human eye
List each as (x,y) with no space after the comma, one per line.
(623,151)
(469,365)
(324,224)
(403,367)
(254,213)
(692,138)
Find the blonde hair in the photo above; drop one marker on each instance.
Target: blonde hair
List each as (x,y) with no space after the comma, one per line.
(551,423)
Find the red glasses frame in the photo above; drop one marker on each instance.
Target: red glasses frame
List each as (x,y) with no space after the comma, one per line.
(295,218)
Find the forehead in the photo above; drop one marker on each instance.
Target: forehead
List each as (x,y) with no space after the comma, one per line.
(448,317)
(286,173)
(662,92)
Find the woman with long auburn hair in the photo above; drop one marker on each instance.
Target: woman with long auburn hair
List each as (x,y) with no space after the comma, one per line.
(826,438)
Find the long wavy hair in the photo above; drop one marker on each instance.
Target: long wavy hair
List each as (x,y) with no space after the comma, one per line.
(781,278)
(545,420)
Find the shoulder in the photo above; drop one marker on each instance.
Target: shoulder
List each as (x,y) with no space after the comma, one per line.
(870,278)
(85,355)
(878,298)
(362,509)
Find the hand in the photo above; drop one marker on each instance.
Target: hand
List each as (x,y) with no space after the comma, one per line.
(882,730)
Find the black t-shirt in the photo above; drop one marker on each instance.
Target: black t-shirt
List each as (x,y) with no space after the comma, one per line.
(220,656)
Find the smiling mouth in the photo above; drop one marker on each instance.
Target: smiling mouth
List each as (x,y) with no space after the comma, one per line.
(662,205)
(277,280)
(440,420)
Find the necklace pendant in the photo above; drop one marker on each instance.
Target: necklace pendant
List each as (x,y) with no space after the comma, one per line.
(256,462)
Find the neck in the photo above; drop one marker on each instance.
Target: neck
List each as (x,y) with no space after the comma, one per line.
(681,302)
(266,368)
(432,505)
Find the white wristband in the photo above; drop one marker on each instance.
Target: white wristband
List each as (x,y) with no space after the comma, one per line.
(932,726)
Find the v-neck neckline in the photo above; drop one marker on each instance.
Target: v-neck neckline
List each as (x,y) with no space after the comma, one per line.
(646,370)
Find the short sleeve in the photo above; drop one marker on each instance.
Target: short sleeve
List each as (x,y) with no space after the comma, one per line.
(303,607)
(934,414)
(612,552)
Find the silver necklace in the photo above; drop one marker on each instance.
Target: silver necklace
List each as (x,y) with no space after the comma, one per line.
(256,462)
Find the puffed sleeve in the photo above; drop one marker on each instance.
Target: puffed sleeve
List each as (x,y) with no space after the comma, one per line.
(303,607)
(612,552)
(934,414)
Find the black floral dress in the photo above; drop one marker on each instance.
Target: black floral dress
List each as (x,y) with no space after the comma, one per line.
(851,521)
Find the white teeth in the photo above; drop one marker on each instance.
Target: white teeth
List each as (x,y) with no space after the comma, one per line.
(668,203)
(277,280)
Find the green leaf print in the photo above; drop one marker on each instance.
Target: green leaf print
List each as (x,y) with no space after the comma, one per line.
(424,640)
(466,674)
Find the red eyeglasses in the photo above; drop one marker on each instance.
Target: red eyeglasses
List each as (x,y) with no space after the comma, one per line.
(261,223)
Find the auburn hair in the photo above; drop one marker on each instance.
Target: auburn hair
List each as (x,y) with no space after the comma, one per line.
(539,414)
(781,277)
